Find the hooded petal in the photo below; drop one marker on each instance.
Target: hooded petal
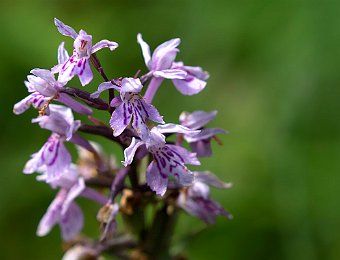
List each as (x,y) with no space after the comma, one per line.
(45,75)
(130,151)
(164,55)
(104,44)
(145,50)
(131,85)
(65,29)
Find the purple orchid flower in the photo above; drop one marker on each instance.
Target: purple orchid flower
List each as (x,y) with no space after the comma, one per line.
(63,210)
(168,159)
(44,88)
(79,62)
(196,201)
(200,143)
(53,158)
(187,80)
(131,107)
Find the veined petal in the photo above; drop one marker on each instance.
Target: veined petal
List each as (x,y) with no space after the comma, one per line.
(35,99)
(210,179)
(71,222)
(145,49)
(190,85)
(62,54)
(174,128)
(152,112)
(73,104)
(102,87)
(65,29)
(197,119)
(129,152)
(184,155)
(85,73)
(104,44)
(170,74)
(120,119)
(156,179)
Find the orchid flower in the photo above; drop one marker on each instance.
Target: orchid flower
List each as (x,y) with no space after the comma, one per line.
(196,201)
(131,107)
(44,88)
(200,143)
(63,210)
(79,62)
(168,160)
(53,158)
(187,80)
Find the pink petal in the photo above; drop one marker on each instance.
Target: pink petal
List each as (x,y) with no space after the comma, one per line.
(65,29)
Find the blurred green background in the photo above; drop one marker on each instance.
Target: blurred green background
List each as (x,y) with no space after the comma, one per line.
(275,79)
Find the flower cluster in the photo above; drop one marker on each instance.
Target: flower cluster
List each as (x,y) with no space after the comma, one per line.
(156,167)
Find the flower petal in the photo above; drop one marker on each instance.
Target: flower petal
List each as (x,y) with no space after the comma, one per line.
(51,217)
(71,222)
(184,155)
(65,29)
(170,74)
(131,85)
(197,119)
(205,134)
(85,73)
(104,44)
(190,85)
(129,152)
(145,49)
(210,179)
(156,180)
(164,55)
(120,119)
(62,54)
(174,128)
(102,87)
(72,194)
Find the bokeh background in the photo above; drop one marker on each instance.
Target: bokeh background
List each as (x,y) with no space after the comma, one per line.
(275,80)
